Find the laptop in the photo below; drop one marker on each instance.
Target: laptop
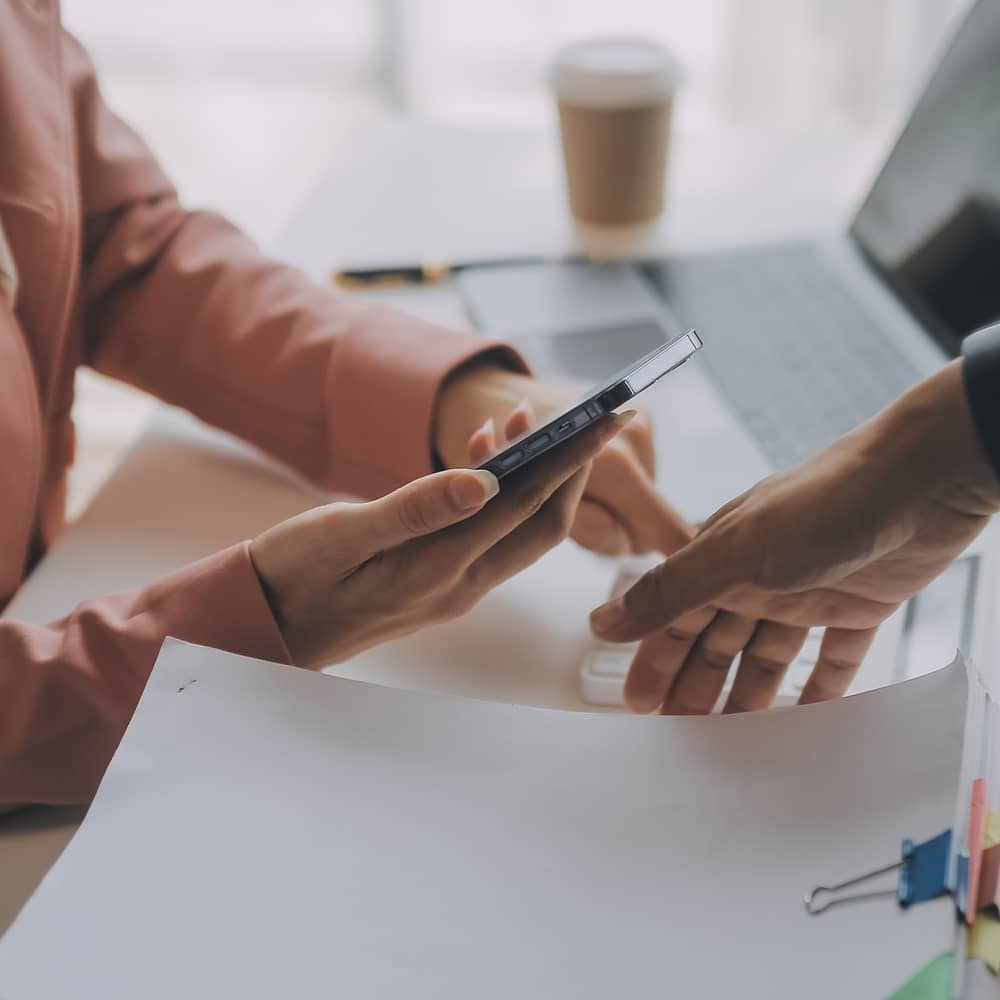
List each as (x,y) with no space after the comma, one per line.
(803,340)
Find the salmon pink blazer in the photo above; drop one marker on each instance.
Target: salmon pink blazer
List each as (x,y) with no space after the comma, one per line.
(113,273)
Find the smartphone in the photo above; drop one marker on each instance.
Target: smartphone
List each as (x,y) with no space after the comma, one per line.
(596,404)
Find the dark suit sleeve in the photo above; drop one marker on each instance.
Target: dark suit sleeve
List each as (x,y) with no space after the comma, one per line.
(981,374)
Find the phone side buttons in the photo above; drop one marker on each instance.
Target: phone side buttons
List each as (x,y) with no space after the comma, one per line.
(511,459)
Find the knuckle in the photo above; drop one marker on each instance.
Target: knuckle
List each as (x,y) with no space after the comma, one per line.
(827,607)
(415,516)
(839,666)
(875,614)
(338,509)
(765,666)
(329,528)
(443,581)
(458,602)
(474,579)
(332,518)
(716,659)
(532,500)
(681,634)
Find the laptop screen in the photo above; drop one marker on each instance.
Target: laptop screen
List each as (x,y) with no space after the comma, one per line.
(931,222)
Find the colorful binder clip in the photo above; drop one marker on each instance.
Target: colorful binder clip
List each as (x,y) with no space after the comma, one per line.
(924,873)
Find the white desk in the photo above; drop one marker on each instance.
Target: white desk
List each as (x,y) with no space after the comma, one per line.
(409,191)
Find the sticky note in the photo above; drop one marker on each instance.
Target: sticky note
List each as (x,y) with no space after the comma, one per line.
(932,982)
(991,836)
(989,878)
(977,834)
(984,941)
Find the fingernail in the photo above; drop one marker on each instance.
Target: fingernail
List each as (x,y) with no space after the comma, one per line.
(608,616)
(613,543)
(527,408)
(473,488)
(488,427)
(642,702)
(619,421)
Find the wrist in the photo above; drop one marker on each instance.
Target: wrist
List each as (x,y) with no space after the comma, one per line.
(477,390)
(935,448)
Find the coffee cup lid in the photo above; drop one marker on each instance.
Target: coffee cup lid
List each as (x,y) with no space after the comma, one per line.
(614,72)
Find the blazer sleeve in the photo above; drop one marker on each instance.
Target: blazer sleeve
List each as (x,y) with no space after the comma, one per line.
(68,689)
(181,304)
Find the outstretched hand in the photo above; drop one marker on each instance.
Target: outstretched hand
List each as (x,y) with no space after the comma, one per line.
(839,541)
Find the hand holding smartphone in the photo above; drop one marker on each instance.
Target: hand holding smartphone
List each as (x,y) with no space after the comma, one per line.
(597,403)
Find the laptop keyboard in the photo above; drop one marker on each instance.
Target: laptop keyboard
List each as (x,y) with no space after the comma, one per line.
(819,365)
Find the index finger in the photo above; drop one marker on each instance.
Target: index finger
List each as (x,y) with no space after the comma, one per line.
(696,577)
(621,484)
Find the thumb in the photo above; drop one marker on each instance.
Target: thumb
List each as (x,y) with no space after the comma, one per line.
(427,505)
(695,577)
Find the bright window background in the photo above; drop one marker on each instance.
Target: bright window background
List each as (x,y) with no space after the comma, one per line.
(246,102)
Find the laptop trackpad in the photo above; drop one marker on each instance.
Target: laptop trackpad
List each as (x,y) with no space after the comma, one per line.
(590,356)
(578,321)
(526,300)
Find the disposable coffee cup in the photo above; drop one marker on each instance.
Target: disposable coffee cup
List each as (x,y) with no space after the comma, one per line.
(615,97)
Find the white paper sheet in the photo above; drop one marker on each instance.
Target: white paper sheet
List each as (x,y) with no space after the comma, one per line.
(264,832)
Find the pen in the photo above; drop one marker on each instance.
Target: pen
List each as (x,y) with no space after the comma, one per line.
(431,272)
